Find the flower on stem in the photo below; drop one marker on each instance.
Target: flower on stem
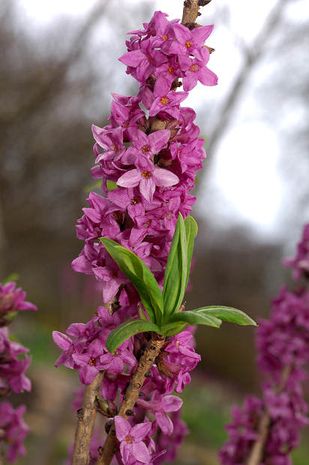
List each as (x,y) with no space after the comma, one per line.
(147,176)
(131,438)
(161,406)
(149,145)
(190,42)
(12,299)
(300,263)
(13,430)
(195,70)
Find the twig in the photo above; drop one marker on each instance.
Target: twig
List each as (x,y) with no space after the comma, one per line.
(148,358)
(251,59)
(85,423)
(256,453)
(258,447)
(2,462)
(191,10)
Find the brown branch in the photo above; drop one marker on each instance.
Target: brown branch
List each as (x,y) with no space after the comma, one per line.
(2,462)
(191,10)
(258,447)
(257,451)
(85,422)
(146,361)
(252,57)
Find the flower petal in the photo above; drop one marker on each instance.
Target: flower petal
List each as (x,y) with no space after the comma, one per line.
(208,77)
(171,403)
(165,178)
(141,452)
(139,431)
(200,34)
(122,427)
(159,139)
(133,58)
(147,188)
(165,423)
(61,340)
(130,179)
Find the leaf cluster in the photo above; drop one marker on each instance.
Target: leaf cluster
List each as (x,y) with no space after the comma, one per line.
(164,309)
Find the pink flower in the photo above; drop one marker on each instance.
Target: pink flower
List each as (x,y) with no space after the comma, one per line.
(12,299)
(147,145)
(197,71)
(13,430)
(190,42)
(147,176)
(144,60)
(131,440)
(109,140)
(167,102)
(161,406)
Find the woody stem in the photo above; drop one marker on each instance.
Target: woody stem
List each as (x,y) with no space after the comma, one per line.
(146,361)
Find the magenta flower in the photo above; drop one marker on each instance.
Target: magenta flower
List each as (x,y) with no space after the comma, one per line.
(149,145)
(161,406)
(144,60)
(12,299)
(131,440)
(195,70)
(300,263)
(109,140)
(147,176)
(13,431)
(125,111)
(190,42)
(14,362)
(167,102)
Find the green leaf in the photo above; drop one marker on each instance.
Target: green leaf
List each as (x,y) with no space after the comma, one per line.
(229,314)
(96,185)
(171,329)
(191,232)
(111,185)
(128,329)
(11,277)
(192,317)
(176,270)
(140,276)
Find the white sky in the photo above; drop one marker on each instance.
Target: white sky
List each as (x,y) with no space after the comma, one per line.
(245,174)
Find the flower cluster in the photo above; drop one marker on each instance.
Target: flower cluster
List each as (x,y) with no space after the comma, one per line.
(13,430)
(14,361)
(12,300)
(147,159)
(283,356)
(300,263)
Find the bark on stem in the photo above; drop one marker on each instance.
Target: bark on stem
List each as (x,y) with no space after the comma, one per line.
(257,451)
(146,361)
(258,447)
(85,422)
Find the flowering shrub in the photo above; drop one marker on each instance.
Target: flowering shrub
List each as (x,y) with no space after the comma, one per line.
(138,243)
(266,430)
(14,361)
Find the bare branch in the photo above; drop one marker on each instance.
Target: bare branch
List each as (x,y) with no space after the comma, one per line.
(85,422)
(148,358)
(251,59)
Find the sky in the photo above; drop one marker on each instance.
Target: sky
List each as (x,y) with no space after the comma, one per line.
(245,180)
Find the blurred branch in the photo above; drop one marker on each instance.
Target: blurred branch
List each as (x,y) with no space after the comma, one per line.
(2,246)
(252,57)
(56,78)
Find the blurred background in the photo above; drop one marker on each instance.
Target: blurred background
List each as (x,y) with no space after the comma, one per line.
(58,68)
